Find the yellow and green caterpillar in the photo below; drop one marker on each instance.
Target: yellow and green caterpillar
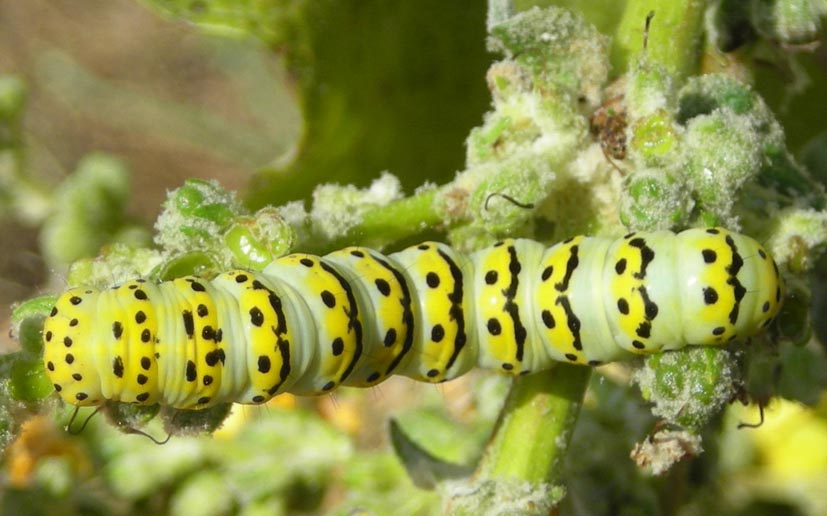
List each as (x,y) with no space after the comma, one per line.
(308,324)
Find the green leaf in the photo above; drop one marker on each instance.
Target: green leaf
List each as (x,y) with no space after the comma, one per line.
(424,469)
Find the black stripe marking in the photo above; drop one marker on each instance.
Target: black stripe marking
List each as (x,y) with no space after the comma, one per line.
(281,321)
(512,308)
(738,290)
(737,261)
(647,254)
(282,345)
(572,321)
(571,265)
(352,312)
(407,313)
(455,311)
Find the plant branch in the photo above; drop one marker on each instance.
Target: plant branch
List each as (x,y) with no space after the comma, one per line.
(535,426)
(674,34)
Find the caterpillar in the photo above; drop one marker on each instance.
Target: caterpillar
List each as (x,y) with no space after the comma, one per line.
(308,324)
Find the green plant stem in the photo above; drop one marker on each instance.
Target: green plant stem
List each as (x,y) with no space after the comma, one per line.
(392,222)
(535,426)
(674,34)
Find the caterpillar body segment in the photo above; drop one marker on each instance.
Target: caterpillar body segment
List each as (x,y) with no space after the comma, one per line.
(307,324)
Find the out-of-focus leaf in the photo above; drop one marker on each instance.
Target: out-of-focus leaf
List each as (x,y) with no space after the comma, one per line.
(424,469)
(382,85)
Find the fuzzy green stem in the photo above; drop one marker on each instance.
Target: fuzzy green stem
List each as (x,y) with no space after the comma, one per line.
(390,223)
(674,34)
(535,426)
